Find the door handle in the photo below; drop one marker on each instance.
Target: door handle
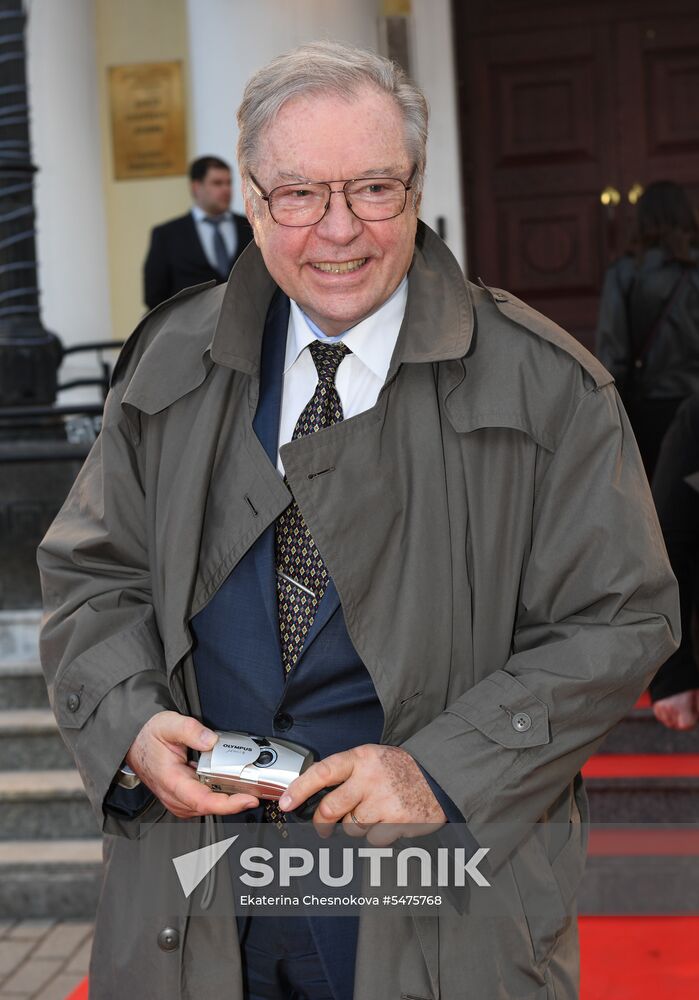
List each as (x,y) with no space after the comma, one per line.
(610,197)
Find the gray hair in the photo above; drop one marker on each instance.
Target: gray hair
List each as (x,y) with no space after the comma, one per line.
(321,68)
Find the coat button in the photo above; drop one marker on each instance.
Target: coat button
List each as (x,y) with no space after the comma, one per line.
(73,702)
(521,722)
(283,721)
(168,939)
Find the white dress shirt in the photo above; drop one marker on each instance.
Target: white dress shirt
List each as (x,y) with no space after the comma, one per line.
(205,231)
(361,374)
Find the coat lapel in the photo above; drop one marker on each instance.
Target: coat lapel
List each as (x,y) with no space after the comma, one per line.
(193,242)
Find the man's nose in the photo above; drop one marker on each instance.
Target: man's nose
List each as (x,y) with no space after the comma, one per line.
(339,223)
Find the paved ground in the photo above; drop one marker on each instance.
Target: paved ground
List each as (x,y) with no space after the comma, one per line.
(42,959)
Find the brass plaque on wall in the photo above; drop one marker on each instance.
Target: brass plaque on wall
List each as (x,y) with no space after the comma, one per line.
(148,128)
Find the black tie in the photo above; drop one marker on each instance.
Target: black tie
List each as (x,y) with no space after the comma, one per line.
(302,577)
(223,260)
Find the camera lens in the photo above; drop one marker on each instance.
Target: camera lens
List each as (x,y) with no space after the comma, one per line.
(266,758)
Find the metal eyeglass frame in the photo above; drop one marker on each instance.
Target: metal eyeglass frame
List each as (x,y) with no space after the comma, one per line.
(260,192)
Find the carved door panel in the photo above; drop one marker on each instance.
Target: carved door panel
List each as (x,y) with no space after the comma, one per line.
(543,150)
(659,101)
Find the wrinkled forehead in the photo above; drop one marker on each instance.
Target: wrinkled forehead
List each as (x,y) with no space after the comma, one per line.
(333,137)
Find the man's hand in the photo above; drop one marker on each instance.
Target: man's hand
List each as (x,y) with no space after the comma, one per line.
(679,711)
(380,786)
(158,755)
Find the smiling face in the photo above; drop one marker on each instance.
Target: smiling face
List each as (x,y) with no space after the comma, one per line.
(341,269)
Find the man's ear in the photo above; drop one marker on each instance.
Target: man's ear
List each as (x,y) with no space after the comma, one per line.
(252,217)
(195,189)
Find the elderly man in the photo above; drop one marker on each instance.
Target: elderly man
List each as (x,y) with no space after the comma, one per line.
(352,500)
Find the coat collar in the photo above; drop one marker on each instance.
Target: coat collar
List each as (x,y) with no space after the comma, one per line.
(224,325)
(438,321)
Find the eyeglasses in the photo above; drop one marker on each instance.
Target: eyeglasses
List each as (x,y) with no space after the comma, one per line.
(371,199)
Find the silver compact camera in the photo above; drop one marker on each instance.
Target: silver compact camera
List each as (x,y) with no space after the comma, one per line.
(262,766)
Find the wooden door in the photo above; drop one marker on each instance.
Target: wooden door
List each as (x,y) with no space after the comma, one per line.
(559,103)
(658,87)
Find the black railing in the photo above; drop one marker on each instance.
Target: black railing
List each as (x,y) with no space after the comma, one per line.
(59,433)
(105,367)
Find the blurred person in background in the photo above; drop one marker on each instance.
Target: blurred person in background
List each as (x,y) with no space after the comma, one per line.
(202,245)
(648,327)
(675,688)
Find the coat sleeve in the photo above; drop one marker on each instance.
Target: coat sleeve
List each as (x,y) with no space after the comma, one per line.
(598,614)
(612,345)
(100,647)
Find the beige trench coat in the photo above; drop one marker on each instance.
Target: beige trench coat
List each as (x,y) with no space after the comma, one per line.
(495,548)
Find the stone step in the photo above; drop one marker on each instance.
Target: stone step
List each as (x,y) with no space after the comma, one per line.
(57,879)
(22,685)
(639,886)
(640,732)
(19,636)
(44,805)
(29,740)
(664,799)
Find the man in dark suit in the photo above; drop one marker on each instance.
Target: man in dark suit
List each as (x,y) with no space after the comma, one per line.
(201,245)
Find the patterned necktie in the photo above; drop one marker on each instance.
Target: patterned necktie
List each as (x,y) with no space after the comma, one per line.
(302,577)
(223,261)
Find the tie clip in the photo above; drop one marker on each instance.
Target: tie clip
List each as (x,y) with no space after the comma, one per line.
(297,584)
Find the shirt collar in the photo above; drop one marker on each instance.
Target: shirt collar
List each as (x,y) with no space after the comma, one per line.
(372,340)
(439,315)
(199,214)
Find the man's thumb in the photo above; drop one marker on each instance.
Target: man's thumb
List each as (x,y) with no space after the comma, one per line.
(205,739)
(184,730)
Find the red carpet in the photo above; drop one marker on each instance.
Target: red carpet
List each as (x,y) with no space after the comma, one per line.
(638,765)
(80,992)
(639,958)
(624,958)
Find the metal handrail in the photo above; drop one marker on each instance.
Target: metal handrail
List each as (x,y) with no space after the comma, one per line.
(66,410)
(94,345)
(43,451)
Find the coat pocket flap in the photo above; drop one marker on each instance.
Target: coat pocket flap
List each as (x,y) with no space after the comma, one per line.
(505,711)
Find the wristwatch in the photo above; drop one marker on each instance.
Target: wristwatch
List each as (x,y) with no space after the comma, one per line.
(127,777)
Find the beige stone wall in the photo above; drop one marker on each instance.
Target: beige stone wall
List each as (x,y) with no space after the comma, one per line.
(136,31)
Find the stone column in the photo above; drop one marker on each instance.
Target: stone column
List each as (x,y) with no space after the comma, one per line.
(29,354)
